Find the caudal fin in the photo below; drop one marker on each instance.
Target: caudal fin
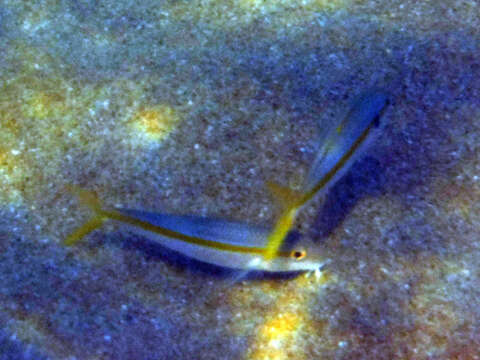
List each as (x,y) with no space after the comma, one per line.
(90,199)
(283,195)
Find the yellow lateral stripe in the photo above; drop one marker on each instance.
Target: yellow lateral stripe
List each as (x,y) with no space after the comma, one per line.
(115,215)
(328,176)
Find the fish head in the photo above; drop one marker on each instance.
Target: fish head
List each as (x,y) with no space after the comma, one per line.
(296,254)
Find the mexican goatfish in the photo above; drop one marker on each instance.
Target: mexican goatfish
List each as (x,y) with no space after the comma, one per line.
(223,243)
(341,146)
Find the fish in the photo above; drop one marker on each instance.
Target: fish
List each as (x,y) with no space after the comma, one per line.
(340,147)
(224,243)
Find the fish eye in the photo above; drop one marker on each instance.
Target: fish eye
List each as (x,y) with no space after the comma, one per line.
(298,254)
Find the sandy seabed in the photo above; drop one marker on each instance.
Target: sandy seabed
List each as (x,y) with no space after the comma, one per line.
(188,108)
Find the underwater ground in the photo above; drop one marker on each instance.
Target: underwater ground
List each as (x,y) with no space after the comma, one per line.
(188,107)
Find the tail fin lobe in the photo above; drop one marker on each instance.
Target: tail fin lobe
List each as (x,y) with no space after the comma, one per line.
(285,196)
(92,224)
(90,199)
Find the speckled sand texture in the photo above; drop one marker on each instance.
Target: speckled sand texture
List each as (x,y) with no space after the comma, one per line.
(188,107)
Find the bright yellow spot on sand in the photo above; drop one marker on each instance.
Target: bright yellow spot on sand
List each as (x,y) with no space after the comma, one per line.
(284,312)
(48,121)
(275,335)
(156,122)
(279,327)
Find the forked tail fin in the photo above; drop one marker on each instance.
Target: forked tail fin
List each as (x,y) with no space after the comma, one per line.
(289,201)
(90,199)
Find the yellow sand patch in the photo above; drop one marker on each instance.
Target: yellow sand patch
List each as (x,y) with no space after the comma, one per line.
(156,122)
(284,312)
(276,337)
